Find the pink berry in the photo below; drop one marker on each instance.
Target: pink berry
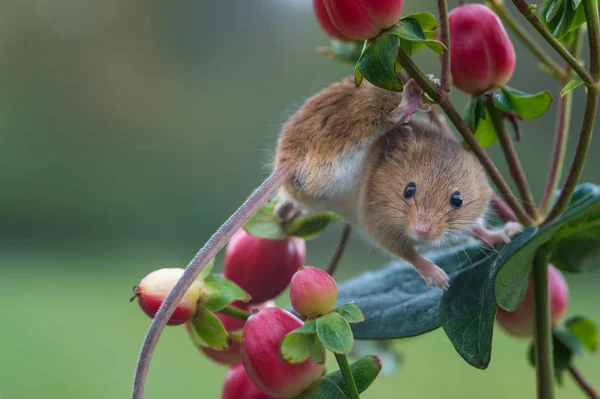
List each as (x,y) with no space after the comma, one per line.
(481,54)
(261,266)
(154,288)
(239,386)
(356,19)
(520,322)
(313,292)
(261,339)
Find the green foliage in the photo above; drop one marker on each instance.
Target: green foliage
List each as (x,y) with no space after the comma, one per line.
(480,122)
(344,52)
(563,18)
(312,225)
(335,333)
(296,347)
(572,85)
(350,312)
(364,371)
(218,292)
(525,105)
(585,330)
(323,389)
(207,330)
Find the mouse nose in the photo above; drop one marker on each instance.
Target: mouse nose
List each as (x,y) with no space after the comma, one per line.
(422,230)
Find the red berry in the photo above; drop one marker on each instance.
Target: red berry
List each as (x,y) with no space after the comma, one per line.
(313,292)
(261,339)
(239,386)
(520,322)
(481,54)
(356,19)
(261,266)
(154,288)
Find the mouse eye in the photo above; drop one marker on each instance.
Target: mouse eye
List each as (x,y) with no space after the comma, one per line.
(456,200)
(410,190)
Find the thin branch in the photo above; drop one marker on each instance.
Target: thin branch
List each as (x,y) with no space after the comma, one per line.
(502,209)
(235,312)
(529,14)
(582,382)
(591,16)
(505,191)
(445,37)
(342,361)
(339,250)
(512,159)
(208,251)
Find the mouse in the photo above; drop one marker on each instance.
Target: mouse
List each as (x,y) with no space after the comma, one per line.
(360,151)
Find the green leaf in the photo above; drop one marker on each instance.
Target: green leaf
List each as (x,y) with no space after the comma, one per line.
(364,371)
(576,3)
(377,62)
(334,332)
(310,226)
(573,84)
(323,389)
(568,339)
(350,312)
(264,224)
(218,292)
(585,330)
(563,18)
(384,349)
(553,10)
(345,52)
(572,239)
(207,330)
(486,132)
(467,312)
(562,354)
(309,327)
(396,301)
(297,347)
(426,20)
(409,29)
(501,101)
(206,271)
(528,106)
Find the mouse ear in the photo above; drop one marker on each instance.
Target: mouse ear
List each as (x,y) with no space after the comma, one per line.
(412,101)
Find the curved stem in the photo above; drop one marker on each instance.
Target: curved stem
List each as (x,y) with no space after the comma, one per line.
(505,191)
(512,159)
(529,14)
(583,383)
(342,361)
(445,37)
(528,41)
(235,312)
(591,16)
(542,328)
(339,250)
(208,251)
(502,209)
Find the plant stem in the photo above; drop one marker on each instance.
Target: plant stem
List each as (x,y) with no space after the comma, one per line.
(591,17)
(339,250)
(235,312)
(527,40)
(208,251)
(445,37)
(505,191)
(542,328)
(502,209)
(582,382)
(529,14)
(342,361)
(512,159)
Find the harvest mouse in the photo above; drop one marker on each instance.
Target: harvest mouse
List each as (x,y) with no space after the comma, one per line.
(358,152)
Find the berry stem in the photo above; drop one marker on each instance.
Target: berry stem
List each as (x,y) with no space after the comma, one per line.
(235,312)
(582,382)
(208,251)
(529,14)
(512,159)
(505,191)
(342,361)
(340,249)
(445,37)
(542,328)
(502,209)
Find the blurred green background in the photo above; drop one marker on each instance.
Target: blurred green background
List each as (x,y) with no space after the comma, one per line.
(128,132)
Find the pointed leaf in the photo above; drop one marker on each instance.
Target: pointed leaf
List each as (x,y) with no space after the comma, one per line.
(207,330)
(437,46)
(585,330)
(310,226)
(364,371)
(408,29)
(528,106)
(297,347)
(264,224)
(350,312)
(378,61)
(323,389)
(218,292)
(575,3)
(486,132)
(467,312)
(345,52)
(334,332)
(426,20)
(573,84)
(358,77)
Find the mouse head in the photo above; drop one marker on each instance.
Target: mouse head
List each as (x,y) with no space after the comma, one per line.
(422,186)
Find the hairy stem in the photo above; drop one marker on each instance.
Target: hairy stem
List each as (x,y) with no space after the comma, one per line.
(342,361)
(502,209)
(235,312)
(489,166)
(529,14)
(208,251)
(512,159)
(445,37)
(339,251)
(582,382)
(542,327)
(528,41)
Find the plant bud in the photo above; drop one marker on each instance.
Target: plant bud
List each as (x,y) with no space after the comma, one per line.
(262,267)
(356,19)
(239,386)
(481,54)
(155,287)
(313,292)
(261,339)
(520,322)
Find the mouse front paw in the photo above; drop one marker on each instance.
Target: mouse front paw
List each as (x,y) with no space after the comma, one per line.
(491,238)
(513,228)
(431,273)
